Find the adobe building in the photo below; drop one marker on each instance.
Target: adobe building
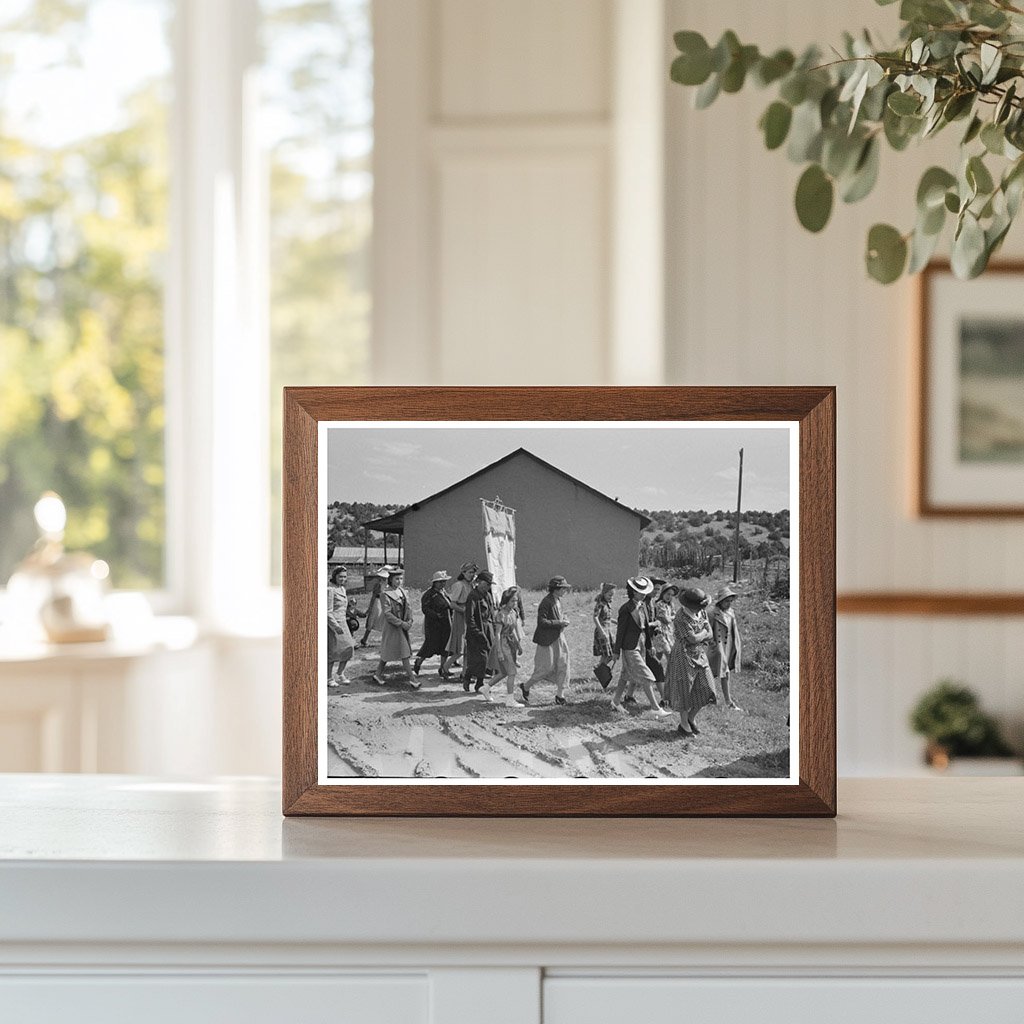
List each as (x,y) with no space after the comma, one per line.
(563,526)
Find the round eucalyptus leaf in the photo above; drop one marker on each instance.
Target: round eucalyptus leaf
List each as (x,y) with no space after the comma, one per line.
(993,138)
(973,130)
(899,130)
(922,248)
(771,69)
(725,50)
(707,93)
(693,65)
(1005,106)
(805,133)
(839,151)
(934,184)
(987,15)
(814,195)
(735,74)
(968,255)
(978,176)
(865,173)
(931,221)
(958,106)
(794,89)
(775,123)
(887,253)
(903,103)
(952,202)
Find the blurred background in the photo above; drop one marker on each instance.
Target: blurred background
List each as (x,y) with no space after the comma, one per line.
(202,201)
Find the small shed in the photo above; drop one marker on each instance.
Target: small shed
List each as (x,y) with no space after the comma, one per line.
(563,526)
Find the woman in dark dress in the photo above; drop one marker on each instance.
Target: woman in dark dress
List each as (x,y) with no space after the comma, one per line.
(436,606)
(480,614)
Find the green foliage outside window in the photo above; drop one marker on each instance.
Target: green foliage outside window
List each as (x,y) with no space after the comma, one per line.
(83,229)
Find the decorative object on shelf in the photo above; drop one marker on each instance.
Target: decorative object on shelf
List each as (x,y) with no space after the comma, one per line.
(58,594)
(369,733)
(950,717)
(956,61)
(970,450)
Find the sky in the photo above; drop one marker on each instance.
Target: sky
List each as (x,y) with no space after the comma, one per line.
(672,467)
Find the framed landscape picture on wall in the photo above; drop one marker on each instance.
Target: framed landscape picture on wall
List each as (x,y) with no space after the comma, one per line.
(559,601)
(970,452)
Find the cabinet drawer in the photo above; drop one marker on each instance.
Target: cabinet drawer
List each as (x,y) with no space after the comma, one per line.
(202,999)
(669,1000)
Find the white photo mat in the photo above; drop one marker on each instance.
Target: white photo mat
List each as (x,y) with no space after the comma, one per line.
(323,429)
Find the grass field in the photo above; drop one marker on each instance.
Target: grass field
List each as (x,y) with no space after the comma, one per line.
(439,731)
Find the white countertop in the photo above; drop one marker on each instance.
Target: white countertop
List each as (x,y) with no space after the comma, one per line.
(124,859)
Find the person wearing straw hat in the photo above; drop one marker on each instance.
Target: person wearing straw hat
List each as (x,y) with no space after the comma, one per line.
(689,684)
(374,610)
(479,633)
(459,593)
(508,644)
(725,655)
(394,640)
(631,633)
(551,659)
(603,638)
(436,606)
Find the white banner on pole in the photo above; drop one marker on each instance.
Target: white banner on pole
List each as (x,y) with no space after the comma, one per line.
(500,543)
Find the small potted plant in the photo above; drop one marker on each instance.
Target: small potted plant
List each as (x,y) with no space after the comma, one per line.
(950,717)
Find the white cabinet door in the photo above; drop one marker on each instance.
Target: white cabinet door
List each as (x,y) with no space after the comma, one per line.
(202,999)
(783,1000)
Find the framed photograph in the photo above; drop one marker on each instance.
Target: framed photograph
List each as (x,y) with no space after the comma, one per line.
(971,393)
(559,601)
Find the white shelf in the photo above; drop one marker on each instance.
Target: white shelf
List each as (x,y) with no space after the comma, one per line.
(127,895)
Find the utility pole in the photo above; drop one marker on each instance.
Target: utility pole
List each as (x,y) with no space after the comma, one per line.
(739,503)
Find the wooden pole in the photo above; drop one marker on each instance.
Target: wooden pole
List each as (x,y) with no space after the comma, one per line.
(739,504)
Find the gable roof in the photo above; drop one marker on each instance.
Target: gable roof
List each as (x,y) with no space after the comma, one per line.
(396,519)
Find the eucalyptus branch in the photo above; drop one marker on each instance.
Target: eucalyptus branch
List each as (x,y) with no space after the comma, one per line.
(833,117)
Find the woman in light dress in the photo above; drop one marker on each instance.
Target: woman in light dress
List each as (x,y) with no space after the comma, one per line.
(508,645)
(459,592)
(394,640)
(689,684)
(374,610)
(726,652)
(339,639)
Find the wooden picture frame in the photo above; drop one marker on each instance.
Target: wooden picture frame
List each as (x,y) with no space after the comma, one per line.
(943,489)
(810,790)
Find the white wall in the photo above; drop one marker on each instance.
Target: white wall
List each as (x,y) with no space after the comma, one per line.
(754,299)
(504,133)
(518,249)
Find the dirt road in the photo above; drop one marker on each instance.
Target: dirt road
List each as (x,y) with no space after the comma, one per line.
(440,731)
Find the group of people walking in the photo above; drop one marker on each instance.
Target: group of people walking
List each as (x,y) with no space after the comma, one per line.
(677,647)
(676,657)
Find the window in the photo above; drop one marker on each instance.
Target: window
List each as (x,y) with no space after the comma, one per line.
(83,237)
(317,118)
(236,212)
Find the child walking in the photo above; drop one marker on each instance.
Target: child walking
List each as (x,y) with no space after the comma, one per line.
(603,639)
(508,645)
(725,655)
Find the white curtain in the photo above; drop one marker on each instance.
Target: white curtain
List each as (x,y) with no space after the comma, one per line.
(500,543)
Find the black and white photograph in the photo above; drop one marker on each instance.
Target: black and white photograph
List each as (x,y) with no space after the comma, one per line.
(590,602)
